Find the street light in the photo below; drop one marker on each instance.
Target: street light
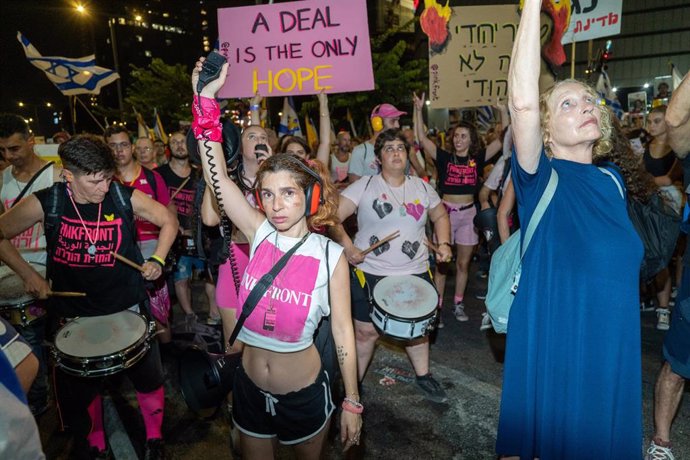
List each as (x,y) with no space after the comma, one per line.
(81,9)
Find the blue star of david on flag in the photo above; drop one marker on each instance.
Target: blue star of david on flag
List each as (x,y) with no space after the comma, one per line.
(70,75)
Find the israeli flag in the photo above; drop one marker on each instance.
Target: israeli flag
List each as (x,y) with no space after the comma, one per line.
(485,117)
(289,123)
(605,90)
(70,75)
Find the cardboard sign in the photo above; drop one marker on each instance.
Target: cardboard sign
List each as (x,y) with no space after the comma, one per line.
(472,69)
(593,19)
(296,48)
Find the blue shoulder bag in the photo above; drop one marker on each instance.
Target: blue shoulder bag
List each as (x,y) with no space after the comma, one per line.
(506,264)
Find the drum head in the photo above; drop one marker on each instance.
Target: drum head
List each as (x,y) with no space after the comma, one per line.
(12,286)
(93,336)
(406,296)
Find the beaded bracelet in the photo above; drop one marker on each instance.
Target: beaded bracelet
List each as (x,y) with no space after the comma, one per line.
(350,405)
(157,260)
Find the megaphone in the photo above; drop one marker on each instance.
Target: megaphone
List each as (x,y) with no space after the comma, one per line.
(206,378)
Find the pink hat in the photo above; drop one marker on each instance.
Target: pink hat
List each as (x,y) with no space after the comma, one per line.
(386,111)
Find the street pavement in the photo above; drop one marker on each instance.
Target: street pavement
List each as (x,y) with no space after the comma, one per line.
(399,423)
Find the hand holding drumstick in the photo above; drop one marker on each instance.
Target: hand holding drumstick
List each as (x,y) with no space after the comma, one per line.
(150,270)
(443,251)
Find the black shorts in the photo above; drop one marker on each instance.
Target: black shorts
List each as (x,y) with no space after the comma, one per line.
(363,296)
(293,417)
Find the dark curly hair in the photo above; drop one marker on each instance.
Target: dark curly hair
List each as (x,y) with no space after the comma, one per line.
(639,183)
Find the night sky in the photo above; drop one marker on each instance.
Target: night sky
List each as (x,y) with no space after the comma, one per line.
(54,28)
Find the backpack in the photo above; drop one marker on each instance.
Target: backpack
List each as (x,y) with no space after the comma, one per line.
(506,264)
(56,207)
(658,226)
(151,179)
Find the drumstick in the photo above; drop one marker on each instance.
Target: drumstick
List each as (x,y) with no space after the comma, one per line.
(177,190)
(393,235)
(125,260)
(66,294)
(431,245)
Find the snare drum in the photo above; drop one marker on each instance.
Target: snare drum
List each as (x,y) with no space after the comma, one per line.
(404,306)
(16,306)
(97,346)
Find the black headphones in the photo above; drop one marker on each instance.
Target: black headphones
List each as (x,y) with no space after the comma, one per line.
(313,193)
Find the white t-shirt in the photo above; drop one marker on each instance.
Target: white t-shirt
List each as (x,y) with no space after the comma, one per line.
(288,314)
(381,210)
(31,243)
(363,160)
(339,168)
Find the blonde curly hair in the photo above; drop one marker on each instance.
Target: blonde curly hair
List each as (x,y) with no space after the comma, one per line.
(602,146)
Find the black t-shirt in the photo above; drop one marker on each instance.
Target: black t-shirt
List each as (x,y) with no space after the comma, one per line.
(459,175)
(184,200)
(658,167)
(110,286)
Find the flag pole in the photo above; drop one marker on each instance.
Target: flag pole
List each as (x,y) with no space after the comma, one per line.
(89,112)
(72,116)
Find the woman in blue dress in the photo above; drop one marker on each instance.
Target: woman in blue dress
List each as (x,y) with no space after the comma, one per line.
(572,375)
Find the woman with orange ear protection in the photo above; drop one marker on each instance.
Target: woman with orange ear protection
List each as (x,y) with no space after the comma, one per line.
(281,390)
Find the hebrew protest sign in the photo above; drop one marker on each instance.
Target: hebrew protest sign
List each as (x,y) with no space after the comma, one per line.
(296,48)
(593,19)
(471,69)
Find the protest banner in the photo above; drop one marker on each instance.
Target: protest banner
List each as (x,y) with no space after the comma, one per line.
(471,68)
(296,48)
(593,19)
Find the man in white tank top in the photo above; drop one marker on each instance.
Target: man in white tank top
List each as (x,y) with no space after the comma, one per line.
(17,147)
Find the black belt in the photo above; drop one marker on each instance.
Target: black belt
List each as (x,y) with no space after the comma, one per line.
(461,208)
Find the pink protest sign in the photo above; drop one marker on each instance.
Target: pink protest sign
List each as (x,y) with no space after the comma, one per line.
(299,47)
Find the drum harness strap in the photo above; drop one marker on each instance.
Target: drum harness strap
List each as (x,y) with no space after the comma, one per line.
(56,203)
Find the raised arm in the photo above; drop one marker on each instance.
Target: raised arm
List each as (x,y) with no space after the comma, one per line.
(255,109)
(207,129)
(678,119)
(523,87)
(426,143)
(323,153)
(496,145)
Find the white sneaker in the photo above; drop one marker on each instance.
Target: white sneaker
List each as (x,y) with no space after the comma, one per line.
(459,312)
(486,322)
(663,316)
(659,453)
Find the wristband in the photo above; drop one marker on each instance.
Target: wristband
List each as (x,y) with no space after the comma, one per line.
(156,260)
(206,123)
(447,244)
(350,405)
(254,107)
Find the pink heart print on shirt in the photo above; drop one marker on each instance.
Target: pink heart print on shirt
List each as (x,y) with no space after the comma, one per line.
(415,209)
